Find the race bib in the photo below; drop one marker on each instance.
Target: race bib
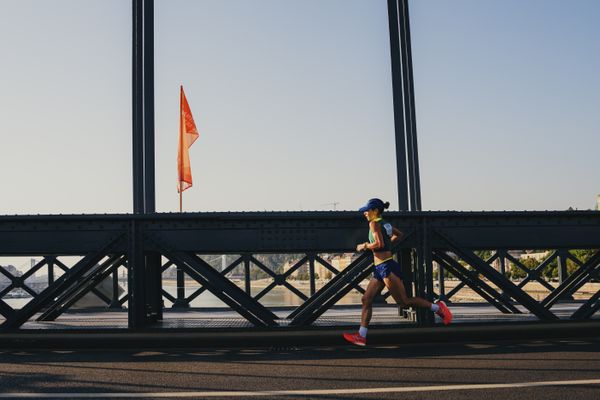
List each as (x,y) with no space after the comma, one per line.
(388,228)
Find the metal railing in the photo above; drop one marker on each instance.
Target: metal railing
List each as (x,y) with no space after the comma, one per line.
(472,247)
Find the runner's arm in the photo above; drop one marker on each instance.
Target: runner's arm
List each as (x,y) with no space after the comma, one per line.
(378,244)
(397,234)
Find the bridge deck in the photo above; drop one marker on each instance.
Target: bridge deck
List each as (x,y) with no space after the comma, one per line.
(196,318)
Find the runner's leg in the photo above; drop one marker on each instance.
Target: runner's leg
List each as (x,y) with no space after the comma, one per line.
(373,289)
(398,292)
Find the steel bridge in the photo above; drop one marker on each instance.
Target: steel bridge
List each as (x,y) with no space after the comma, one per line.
(145,244)
(452,240)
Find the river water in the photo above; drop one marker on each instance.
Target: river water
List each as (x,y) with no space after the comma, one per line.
(278,296)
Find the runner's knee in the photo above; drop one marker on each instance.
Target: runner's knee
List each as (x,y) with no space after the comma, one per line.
(366,300)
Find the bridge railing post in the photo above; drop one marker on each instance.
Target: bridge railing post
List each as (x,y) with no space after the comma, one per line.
(181,301)
(114,303)
(247,277)
(311,272)
(50,270)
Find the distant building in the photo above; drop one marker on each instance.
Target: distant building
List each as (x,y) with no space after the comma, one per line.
(341,261)
(598,203)
(538,256)
(11,270)
(514,253)
(338,261)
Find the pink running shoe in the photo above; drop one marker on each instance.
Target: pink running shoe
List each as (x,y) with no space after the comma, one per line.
(444,312)
(355,338)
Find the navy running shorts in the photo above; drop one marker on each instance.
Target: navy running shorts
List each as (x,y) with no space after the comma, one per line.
(386,268)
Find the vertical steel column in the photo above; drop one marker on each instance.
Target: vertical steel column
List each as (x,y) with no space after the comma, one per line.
(563,273)
(51,270)
(406,261)
(114,303)
(138,107)
(154,287)
(148,60)
(562,267)
(247,273)
(153,260)
(409,107)
(400,133)
(419,274)
(143,107)
(181,301)
(135,262)
(135,256)
(405,257)
(442,283)
(502,260)
(311,272)
(428,267)
(143,149)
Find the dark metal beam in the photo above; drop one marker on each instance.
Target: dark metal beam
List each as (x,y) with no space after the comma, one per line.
(479,286)
(224,289)
(143,107)
(577,279)
(332,292)
(5,310)
(70,278)
(398,100)
(589,308)
(409,107)
(298,232)
(138,105)
(148,101)
(136,277)
(535,273)
(218,285)
(83,286)
(143,143)
(499,280)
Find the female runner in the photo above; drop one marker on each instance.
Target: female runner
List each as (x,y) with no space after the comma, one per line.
(388,272)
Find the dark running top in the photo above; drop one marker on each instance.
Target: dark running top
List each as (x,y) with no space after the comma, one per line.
(386,232)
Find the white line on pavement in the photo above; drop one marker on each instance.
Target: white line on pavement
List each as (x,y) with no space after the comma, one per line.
(303,392)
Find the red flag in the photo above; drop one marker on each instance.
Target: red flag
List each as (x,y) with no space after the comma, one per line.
(187,136)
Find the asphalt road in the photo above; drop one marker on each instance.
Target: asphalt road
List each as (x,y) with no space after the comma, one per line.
(514,370)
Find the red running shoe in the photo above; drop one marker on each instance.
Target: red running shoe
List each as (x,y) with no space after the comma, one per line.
(444,312)
(355,338)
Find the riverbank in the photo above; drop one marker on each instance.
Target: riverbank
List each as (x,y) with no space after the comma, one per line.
(465,294)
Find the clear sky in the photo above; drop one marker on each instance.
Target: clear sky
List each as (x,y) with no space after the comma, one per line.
(293,103)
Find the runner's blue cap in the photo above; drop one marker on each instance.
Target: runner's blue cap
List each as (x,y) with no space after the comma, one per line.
(372,204)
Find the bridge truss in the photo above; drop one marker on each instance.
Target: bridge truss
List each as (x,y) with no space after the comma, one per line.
(447,242)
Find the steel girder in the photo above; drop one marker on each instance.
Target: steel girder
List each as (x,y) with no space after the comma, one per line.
(217,284)
(71,279)
(311,233)
(479,286)
(86,284)
(301,232)
(332,292)
(5,310)
(591,269)
(335,289)
(498,279)
(588,308)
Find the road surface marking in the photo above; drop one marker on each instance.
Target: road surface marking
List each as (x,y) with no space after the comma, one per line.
(263,393)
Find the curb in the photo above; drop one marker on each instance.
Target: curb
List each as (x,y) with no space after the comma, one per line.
(330,336)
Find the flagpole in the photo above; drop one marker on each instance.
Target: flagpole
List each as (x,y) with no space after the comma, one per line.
(188,133)
(180,148)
